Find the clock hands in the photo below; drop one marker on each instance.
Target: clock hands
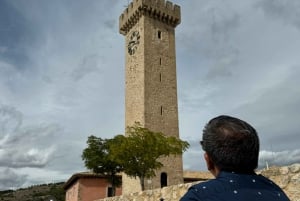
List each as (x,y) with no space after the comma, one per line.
(133,42)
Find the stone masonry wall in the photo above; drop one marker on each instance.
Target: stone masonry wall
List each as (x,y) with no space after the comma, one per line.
(150,78)
(287,177)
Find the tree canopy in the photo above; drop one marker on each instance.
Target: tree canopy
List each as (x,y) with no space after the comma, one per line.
(136,154)
(97,157)
(141,148)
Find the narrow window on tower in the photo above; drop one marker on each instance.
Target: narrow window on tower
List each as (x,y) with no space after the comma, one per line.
(159,34)
(159,61)
(161,110)
(163,179)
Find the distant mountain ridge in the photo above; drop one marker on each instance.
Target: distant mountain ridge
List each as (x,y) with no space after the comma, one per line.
(43,192)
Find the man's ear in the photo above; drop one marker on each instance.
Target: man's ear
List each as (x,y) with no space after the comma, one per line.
(210,165)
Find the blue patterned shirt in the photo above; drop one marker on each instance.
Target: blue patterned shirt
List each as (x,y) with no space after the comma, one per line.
(232,186)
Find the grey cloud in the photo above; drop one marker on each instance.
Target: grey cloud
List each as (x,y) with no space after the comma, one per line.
(274,111)
(212,23)
(111,24)
(281,158)
(210,32)
(70,153)
(288,11)
(3,49)
(10,120)
(193,157)
(34,134)
(15,34)
(23,146)
(195,144)
(194,161)
(6,70)
(17,157)
(89,64)
(10,179)
(280,136)
(222,25)
(221,68)
(224,53)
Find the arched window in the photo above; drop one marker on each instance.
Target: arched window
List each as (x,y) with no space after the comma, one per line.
(159,34)
(163,179)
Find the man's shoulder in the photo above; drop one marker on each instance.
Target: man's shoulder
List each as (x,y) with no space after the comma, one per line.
(211,187)
(230,185)
(203,190)
(206,185)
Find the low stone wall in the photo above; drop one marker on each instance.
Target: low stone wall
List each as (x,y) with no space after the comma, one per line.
(170,193)
(287,177)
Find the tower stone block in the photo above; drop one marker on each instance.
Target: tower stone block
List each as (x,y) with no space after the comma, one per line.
(151,84)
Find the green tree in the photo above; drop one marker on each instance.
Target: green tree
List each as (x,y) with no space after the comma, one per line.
(97,157)
(140,150)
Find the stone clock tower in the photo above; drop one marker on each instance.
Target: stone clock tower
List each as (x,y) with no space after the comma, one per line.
(151,85)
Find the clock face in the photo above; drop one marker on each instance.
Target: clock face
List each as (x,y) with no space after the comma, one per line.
(133,43)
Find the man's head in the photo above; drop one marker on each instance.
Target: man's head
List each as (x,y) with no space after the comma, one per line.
(231,144)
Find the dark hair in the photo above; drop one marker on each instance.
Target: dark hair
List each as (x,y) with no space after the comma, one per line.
(231,143)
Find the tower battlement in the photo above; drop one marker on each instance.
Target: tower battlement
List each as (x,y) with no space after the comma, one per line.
(162,10)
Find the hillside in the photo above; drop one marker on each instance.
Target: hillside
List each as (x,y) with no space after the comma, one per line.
(43,192)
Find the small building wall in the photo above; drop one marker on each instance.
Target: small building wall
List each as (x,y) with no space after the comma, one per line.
(88,187)
(72,192)
(95,188)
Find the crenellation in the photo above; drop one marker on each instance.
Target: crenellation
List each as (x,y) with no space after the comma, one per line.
(160,3)
(177,9)
(167,12)
(169,5)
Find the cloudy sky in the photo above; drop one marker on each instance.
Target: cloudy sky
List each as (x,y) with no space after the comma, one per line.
(62,79)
